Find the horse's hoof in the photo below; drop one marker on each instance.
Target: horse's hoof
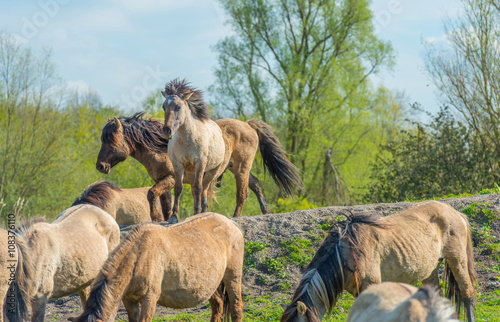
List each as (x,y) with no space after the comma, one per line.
(173,220)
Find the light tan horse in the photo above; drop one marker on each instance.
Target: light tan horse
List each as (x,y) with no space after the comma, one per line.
(16,276)
(68,253)
(195,146)
(405,247)
(180,266)
(395,302)
(126,206)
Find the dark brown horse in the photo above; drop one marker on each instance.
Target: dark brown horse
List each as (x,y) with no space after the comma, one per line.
(143,140)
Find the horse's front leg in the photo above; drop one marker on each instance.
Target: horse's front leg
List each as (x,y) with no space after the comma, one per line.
(198,187)
(179,174)
(38,309)
(162,187)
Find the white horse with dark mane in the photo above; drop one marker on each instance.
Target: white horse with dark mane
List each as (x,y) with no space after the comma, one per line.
(195,146)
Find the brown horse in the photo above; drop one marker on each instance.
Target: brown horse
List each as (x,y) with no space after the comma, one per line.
(394,302)
(14,262)
(126,206)
(196,144)
(181,266)
(143,140)
(405,247)
(67,254)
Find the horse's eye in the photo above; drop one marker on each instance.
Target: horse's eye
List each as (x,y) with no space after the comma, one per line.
(177,108)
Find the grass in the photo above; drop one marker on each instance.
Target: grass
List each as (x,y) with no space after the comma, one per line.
(266,309)
(486,191)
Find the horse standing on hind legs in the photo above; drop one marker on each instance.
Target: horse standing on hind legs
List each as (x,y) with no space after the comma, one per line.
(144,141)
(405,247)
(180,266)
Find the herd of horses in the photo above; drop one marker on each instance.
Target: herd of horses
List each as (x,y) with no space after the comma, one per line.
(201,258)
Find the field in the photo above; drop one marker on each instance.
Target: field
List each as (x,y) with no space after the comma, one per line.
(279,246)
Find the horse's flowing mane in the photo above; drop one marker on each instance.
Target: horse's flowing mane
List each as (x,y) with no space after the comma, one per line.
(196,104)
(97,194)
(137,131)
(25,228)
(439,307)
(325,276)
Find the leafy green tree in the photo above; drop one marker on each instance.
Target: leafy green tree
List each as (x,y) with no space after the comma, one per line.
(304,67)
(432,160)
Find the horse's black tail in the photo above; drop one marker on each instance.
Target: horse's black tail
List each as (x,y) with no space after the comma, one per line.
(225,307)
(452,288)
(284,173)
(16,302)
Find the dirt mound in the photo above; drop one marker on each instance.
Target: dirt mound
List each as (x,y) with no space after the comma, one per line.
(279,246)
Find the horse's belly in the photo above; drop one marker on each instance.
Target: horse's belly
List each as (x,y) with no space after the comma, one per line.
(181,299)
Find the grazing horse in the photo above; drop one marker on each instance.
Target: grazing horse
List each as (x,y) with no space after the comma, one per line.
(395,302)
(142,139)
(179,266)
(14,307)
(196,145)
(126,206)
(405,247)
(67,254)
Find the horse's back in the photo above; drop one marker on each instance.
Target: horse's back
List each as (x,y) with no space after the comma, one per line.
(410,246)
(133,206)
(90,224)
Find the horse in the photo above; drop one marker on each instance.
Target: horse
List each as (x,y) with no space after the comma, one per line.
(143,140)
(126,206)
(196,144)
(14,262)
(404,247)
(178,266)
(67,254)
(394,302)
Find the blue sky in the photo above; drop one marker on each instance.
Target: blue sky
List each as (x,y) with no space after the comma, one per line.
(124,48)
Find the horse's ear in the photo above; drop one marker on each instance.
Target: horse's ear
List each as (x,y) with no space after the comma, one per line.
(118,125)
(164,94)
(301,308)
(187,96)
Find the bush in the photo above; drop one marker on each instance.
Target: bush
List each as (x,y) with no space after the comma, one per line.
(434,159)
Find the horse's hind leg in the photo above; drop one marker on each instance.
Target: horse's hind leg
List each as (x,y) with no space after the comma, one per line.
(217,305)
(241,177)
(84,295)
(254,184)
(133,309)
(460,271)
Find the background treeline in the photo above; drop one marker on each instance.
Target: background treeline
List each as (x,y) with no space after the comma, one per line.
(303,66)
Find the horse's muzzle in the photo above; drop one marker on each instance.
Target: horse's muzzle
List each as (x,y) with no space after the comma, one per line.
(103,168)
(167,132)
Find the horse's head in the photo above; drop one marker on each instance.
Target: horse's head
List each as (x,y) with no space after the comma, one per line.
(299,312)
(114,147)
(176,110)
